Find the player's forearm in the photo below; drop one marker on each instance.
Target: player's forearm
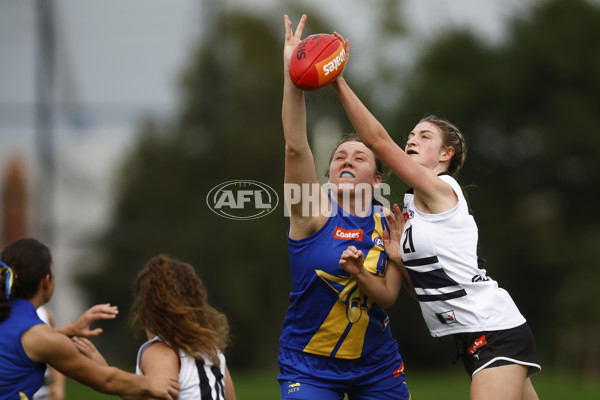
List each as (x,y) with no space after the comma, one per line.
(293,116)
(378,289)
(123,383)
(68,330)
(368,129)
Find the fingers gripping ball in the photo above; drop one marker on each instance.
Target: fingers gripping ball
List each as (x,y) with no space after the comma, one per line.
(317,61)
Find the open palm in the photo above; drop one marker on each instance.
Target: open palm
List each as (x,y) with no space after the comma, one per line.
(291,39)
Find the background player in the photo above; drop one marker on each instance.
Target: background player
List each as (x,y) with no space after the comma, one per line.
(186,335)
(54,384)
(27,344)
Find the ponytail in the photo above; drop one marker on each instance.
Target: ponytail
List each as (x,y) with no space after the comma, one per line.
(6,282)
(23,264)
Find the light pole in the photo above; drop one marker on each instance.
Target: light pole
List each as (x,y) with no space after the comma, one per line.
(44,119)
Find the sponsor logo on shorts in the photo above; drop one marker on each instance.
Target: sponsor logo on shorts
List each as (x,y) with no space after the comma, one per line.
(399,372)
(447,317)
(294,387)
(345,234)
(477,344)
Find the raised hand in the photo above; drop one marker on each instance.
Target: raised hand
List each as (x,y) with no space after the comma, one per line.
(352,261)
(346,47)
(81,326)
(291,39)
(391,239)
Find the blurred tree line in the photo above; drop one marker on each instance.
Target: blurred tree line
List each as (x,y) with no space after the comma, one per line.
(529,109)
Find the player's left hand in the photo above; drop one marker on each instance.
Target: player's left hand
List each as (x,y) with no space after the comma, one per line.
(87,348)
(352,260)
(347,50)
(292,39)
(81,326)
(391,239)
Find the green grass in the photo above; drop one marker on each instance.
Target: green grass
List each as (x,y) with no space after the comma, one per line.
(424,385)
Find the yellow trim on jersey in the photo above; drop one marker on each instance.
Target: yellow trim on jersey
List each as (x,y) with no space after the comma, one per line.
(372,258)
(347,310)
(351,308)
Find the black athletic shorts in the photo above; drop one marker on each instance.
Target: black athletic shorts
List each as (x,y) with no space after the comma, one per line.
(480,350)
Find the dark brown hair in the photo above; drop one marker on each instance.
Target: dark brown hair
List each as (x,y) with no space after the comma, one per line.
(30,261)
(171,302)
(451,137)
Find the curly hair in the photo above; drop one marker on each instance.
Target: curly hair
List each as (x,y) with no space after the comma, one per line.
(171,302)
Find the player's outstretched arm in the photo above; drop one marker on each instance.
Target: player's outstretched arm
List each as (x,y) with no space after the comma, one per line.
(81,326)
(299,161)
(372,133)
(43,344)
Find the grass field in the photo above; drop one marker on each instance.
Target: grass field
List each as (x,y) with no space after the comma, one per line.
(424,385)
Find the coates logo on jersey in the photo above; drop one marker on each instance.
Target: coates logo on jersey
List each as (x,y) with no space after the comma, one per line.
(345,234)
(242,199)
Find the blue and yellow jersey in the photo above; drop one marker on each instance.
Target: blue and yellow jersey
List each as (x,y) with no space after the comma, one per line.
(329,315)
(20,377)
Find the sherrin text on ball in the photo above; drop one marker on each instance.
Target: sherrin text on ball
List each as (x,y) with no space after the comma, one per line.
(317,61)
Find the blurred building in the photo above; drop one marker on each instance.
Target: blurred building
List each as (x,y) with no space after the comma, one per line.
(14,202)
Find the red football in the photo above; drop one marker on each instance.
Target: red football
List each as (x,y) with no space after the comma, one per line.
(317,61)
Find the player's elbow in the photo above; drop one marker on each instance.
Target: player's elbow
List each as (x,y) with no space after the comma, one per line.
(296,150)
(387,301)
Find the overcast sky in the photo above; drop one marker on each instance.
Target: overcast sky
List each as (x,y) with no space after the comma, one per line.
(120,59)
(128,53)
